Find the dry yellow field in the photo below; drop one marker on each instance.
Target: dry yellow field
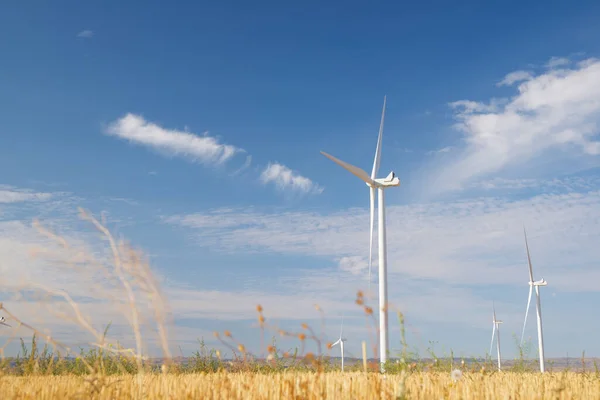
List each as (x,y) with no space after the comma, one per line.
(294,385)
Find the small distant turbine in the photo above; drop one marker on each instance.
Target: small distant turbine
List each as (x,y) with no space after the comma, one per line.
(341,341)
(496,328)
(2,322)
(537,285)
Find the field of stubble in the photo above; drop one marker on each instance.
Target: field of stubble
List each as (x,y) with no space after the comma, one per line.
(306,385)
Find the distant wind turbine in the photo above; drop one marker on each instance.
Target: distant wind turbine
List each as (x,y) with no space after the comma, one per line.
(341,341)
(496,328)
(380,185)
(537,285)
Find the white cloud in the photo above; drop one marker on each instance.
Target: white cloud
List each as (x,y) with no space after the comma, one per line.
(515,77)
(286,179)
(558,109)
(204,149)
(85,34)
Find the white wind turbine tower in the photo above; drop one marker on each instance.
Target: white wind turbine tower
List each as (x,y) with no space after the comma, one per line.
(341,341)
(496,328)
(537,285)
(379,185)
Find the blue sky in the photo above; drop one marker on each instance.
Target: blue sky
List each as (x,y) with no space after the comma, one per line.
(197,128)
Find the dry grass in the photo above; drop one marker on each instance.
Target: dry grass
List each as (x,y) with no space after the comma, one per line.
(303,385)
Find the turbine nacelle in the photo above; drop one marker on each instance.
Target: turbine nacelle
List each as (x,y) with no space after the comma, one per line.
(541,282)
(390,180)
(339,341)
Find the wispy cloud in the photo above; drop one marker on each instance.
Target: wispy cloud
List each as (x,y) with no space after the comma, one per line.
(286,179)
(85,34)
(558,109)
(568,184)
(515,77)
(446,149)
(447,261)
(435,252)
(15,195)
(356,265)
(203,149)
(475,241)
(558,62)
(243,167)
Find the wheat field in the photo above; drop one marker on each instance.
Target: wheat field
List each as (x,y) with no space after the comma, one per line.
(304,385)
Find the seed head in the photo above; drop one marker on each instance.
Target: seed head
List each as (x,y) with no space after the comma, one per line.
(329,345)
(456,374)
(304,326)
(271,349)
(301,336)
(259,308)
(227,333)
(368,310)
(241,348)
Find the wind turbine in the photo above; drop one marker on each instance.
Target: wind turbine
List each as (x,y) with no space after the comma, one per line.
(341,341)
(379,185)
(537,285)
(496,328)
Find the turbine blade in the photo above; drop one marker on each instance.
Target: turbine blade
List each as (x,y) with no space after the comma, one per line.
(372,207)
(528,257)
(492,342)
(342,328)
(377,159)
(336,343)
(351,168)
(494,307)
(526,313)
